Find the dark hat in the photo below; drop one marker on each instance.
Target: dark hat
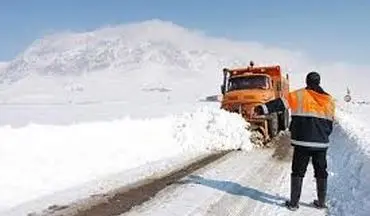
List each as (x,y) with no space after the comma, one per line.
(313,79)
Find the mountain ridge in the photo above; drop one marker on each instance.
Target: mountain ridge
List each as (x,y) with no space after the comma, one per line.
(124,47)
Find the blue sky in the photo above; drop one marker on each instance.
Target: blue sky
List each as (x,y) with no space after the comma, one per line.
(329,30)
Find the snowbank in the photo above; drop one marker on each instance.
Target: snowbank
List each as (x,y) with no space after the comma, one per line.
(349,162)
(39,160)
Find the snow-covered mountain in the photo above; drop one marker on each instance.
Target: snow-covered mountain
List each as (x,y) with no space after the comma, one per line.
(127,47)
(111,61)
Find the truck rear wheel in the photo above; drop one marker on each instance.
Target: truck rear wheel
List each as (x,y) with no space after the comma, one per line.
(273,125)
(283,120)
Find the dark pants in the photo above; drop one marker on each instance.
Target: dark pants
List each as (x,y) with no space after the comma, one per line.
(301,158)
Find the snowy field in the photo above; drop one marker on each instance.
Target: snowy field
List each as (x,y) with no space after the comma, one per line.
(82,113)
(54,158)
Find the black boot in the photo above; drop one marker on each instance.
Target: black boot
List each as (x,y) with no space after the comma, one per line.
(295,193)
(321,187)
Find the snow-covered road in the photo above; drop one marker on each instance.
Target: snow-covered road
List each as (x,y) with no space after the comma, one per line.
(242,183)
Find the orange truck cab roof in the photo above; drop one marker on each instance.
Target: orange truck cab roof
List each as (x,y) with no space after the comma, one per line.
(273,71)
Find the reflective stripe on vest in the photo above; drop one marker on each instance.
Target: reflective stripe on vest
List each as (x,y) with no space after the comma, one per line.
(310,144)
(316,115)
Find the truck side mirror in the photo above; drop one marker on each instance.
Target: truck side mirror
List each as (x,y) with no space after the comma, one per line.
(223,89)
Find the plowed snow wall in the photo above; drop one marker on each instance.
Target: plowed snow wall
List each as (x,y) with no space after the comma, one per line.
(349,180)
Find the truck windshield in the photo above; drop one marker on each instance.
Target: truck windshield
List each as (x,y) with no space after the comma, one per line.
(248,82)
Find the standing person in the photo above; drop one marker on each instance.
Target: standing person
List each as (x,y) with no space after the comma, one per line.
(312,112)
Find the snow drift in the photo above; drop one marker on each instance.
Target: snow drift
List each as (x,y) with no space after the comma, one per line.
(349,162)
(39,160)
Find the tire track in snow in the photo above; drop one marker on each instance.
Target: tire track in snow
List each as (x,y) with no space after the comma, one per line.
(244,206)
(124,199)
(246,183)
(231,202)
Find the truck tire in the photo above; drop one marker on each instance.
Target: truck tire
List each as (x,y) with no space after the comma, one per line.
(287,119)
(273,125)
(283,120)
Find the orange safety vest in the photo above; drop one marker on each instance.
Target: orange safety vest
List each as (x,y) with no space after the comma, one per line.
(308,103)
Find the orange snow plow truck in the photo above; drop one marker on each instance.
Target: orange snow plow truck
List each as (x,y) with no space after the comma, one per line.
(244,88)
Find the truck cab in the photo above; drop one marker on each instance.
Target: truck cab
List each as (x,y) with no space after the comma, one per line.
(244,88)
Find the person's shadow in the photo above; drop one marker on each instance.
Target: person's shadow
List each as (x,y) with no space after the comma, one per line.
(237,189)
